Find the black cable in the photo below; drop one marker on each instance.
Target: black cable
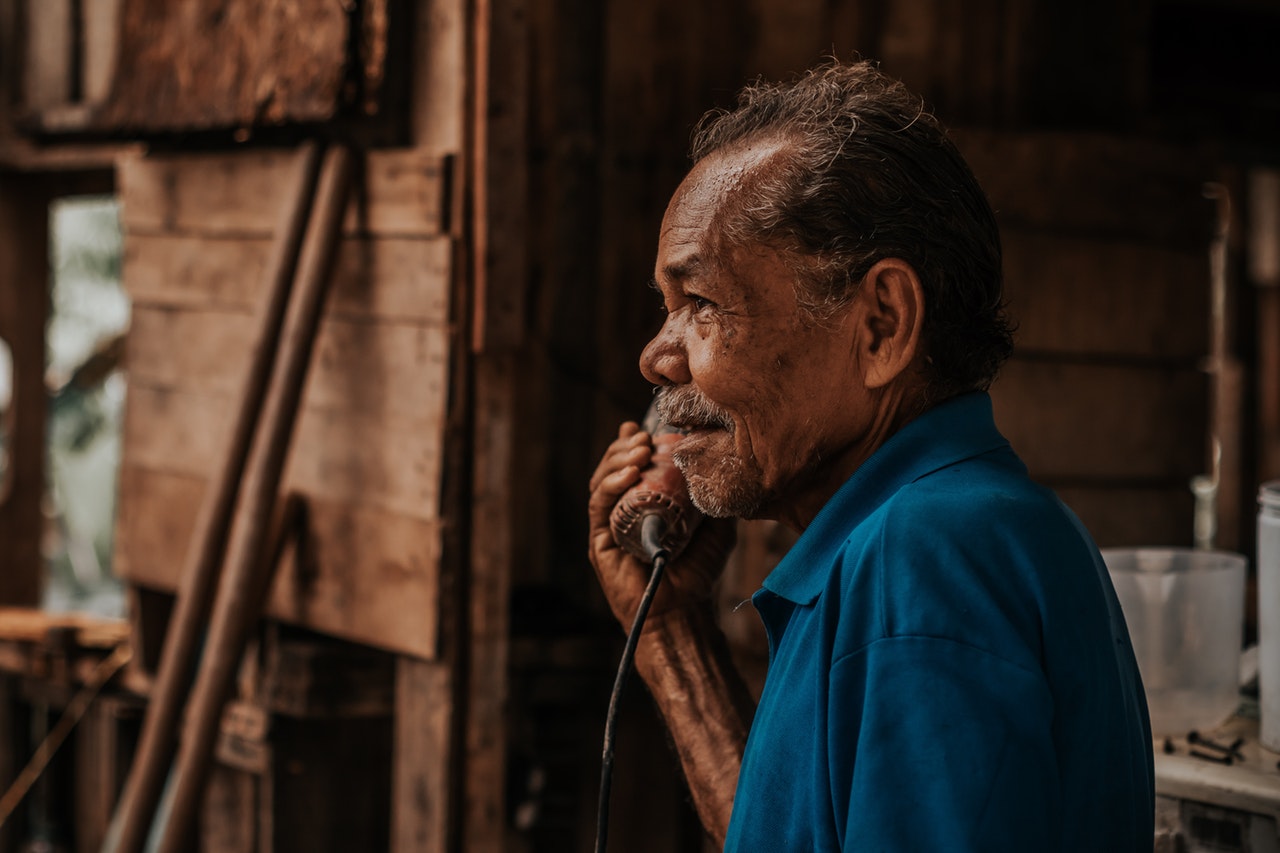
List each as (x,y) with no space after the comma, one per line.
(651,531)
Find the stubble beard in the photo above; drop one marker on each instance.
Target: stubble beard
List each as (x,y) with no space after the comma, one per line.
(721,485)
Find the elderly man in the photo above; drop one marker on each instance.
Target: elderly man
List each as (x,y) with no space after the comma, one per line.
(949,667)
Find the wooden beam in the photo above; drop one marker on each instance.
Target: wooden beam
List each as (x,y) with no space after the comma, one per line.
(422,794)
(47,79)
(101,40)
(24,297)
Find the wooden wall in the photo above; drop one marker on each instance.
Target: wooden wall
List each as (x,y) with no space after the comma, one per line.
(480,348)
(367,451)
(1106,243)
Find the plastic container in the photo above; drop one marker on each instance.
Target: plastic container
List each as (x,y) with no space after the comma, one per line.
(1269,614)
(1185,612)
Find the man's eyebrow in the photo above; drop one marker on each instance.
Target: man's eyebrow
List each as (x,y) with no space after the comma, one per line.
(682,268)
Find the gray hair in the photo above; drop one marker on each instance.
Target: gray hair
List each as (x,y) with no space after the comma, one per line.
(869,174)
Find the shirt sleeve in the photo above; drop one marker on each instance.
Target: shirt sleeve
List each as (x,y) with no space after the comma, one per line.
(947,748)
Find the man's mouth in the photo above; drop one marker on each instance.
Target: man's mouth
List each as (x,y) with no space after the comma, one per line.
(687,410)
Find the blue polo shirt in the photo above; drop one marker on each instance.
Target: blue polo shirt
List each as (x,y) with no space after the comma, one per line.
(949,667)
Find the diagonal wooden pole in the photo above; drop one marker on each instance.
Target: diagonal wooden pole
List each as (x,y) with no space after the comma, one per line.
(244,585)
(133,815)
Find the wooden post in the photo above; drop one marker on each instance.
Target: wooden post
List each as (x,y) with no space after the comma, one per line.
(206,549)
(24,299)
(244,587)
(425,757)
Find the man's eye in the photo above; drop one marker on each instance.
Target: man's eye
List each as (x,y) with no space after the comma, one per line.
(698,302)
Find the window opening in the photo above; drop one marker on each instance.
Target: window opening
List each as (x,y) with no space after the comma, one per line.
(85,380)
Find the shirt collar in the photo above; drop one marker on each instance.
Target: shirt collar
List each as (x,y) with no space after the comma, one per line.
(956,429)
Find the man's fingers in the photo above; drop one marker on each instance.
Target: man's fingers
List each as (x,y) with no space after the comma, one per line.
(608,491)
(634,449)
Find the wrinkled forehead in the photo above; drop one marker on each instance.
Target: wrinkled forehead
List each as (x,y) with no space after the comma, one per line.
(720,184)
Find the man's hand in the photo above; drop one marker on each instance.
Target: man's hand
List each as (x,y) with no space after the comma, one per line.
(689,579)
(682,656)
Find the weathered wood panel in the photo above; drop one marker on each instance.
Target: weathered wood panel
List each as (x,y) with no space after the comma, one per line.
(1093,184)
(423,759)
(1088,297)
(367,575)
(99,762)
(1131,517)
(387,369)
(182,432)
(101,41)
(394,279)
(228,63)
(47,79)
(24,298)
(1074,423)
(231,804)
(401,192)
(368,446)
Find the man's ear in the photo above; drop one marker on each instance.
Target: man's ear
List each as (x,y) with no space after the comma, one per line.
(891,320)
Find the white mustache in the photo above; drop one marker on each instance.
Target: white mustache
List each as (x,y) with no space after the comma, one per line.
(684,407)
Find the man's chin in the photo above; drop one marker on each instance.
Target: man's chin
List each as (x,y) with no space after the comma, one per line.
(724,488)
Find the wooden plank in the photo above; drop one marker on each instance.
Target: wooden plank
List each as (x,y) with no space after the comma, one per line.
(229,814)
(24,297)
(392,279)
(422,758)
(1268,383)
(1097,422)
(30,625)
(98,770)
(489,586)
(101,44)
(500,269)
(1093,184)
(349,779)
(1074,295)
(366,575)
(370,459)
(1130,517)
(403,193)
(400,192)
(223,64)
(440,79)
(13,747)
(386,370)
(319,677)
(48,55)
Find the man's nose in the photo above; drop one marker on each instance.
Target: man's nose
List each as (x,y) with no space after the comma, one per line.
(663,361)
